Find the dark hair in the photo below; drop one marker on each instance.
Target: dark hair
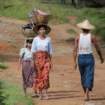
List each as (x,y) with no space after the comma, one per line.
(46,27)
(29,41)
(86,30)
(41,26)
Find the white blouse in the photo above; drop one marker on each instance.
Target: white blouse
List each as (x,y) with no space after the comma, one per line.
(41,45)
(85,44)
(25,54)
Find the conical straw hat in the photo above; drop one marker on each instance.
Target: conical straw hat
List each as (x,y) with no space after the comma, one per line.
(85,25)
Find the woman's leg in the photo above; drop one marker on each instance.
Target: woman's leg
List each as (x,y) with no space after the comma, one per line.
(25,90)
(45,93)
(35,90)
(89,76)
(35,94)
(82,70)
(87,95)
(40,94)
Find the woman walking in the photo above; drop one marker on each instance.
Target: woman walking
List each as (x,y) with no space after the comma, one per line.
(42,53)
(83,51)
(28,72)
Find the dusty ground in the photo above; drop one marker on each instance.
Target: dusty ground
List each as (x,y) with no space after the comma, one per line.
(65,82)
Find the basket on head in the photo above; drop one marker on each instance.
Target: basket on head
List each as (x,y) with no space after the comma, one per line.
(41,17)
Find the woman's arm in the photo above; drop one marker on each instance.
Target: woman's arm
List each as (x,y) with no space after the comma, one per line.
(50,52)
(33,60)
(75,52)
(20,63)
(95,43)
(21,56)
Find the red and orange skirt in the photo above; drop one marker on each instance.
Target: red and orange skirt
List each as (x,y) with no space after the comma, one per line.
(43,67)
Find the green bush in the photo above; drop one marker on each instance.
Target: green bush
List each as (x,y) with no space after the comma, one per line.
(2,98)
(3,66)
(71,31)
(100,31)
(12,94)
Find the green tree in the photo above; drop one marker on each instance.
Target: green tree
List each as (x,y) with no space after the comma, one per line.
(63,1)
(6,4)
(2,98)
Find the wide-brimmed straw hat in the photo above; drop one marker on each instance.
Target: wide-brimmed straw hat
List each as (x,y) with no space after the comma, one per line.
(86,25)
(37,27)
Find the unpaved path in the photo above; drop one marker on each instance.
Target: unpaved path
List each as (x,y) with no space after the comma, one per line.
(65,82)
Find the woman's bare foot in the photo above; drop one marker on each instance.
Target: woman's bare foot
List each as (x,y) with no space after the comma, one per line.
(87,95)
(41,97)
(45,97)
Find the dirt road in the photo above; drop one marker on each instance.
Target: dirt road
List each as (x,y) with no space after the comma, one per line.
(65,82)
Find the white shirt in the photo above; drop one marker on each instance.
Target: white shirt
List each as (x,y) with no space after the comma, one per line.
(41,45)
(25,53)
(85,44)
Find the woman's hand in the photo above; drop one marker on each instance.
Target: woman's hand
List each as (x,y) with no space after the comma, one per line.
(98,49)
(51,66)
(75,66)
(102,60)
(32,64)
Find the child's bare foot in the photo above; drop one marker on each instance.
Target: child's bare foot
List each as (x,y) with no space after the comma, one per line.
(35,95)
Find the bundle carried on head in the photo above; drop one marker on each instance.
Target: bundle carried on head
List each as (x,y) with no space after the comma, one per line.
(41,17)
